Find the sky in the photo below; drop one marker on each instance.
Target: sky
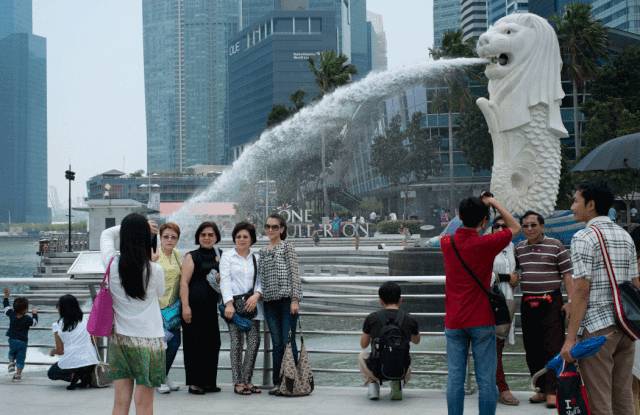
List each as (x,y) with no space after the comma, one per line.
(95,79)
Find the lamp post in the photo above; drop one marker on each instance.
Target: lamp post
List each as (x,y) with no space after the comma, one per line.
(71,176)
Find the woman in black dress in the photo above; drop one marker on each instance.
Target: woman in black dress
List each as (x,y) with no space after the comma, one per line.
(201,334)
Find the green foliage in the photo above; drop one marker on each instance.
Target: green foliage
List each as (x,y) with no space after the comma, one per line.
(137,173)
(332,71)
(453,47)
(371,204)
(278,114)
(620,79)
(474,138)
(393,226)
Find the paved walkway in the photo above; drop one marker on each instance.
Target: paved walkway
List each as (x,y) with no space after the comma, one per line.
(37,395)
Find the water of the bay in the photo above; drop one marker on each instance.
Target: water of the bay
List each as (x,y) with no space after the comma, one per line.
(18,259)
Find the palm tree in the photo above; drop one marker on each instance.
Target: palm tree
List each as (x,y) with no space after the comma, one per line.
(453,46)
(583,41)
(332,71)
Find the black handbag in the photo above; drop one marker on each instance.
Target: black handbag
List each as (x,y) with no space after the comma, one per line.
(239,301)
(496,299)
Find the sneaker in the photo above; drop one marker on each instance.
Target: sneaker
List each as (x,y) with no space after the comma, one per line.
(373,391)
(17,378)
(396,390)
(173,386)
(11,367)
(164,388)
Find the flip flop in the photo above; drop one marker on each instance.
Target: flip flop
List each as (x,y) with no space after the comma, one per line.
(241,390)
(537,399)
(511,401)
(254,389)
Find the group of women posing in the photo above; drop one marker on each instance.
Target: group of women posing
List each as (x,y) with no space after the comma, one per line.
(144,281)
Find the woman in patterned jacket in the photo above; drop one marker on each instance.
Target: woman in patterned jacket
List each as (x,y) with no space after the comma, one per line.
(281,290)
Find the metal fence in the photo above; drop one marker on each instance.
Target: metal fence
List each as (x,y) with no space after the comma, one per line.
(308,282)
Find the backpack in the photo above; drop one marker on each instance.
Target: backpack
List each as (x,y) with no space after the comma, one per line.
(389,359)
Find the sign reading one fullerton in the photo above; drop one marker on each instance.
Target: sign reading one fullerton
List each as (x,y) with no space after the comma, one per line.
(301,225)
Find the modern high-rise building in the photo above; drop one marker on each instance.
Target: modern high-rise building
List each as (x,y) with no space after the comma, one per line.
(496,9)
(446,18)
(253,10)
(473,18)
(185,65)
(23,116)
(378,42)
(360,38)
(268,62)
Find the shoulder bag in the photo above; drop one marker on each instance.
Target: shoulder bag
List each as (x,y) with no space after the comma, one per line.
(100,322)
(100,375)
(172,313)
(295,379)
(239,301)
(626,298)
(496,299)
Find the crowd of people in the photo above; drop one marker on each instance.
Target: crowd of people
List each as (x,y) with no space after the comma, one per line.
(149,280)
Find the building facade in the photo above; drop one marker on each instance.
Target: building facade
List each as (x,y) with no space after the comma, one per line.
(268,62)
(23,116)
(473,18)
(185,65)
(115,184)
(446,18)
(497,9)
(377,42)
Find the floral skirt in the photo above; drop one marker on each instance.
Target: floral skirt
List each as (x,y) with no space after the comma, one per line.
(138,358)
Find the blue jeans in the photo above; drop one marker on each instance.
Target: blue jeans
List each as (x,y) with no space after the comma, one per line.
(172,347)
(483,344)
(280,322)
(18,352)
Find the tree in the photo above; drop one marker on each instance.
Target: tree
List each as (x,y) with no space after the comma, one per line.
(453,47)
(280,112)
(474,138)
(583,41)
(332,72)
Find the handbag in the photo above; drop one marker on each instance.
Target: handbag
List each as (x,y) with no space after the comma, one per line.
(571,396)
(295,379)
(497,301)
(626,298)
(239,301)
(100,322)
(172,313)
(100,375)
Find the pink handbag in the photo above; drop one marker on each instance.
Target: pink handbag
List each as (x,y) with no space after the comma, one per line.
(100,322)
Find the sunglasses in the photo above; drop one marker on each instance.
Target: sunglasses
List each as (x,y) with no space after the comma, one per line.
(499,226)
(271,227)
(530,225)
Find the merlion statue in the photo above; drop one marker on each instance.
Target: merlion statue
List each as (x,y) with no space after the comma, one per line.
(523,111)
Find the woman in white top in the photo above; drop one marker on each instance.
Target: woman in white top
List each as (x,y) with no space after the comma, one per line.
(238,277)
(504,266)
(136,348)
(73,344)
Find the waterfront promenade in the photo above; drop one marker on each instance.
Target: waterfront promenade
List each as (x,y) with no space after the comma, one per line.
(37,395)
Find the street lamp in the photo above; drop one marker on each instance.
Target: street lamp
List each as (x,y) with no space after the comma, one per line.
(71,176)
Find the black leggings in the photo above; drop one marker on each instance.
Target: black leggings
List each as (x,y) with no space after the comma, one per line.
(70,375)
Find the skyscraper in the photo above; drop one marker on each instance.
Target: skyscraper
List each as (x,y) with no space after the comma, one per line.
(251,11)
(446,18)
(359,38)
(23,116)
(497,9)
(473,18)
(185,65)
(378,40)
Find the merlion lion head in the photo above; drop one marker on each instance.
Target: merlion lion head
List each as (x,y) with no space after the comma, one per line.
(524,69)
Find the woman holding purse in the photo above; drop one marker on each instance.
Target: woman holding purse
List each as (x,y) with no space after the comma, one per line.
(279,275)
(170,261)
(241,293)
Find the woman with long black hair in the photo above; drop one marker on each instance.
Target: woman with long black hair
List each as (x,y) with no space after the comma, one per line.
(73,344)
(200,330)
(136,349)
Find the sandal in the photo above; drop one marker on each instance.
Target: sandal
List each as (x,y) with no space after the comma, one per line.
(241,390)
(538,398)
(253,389)
(506,398)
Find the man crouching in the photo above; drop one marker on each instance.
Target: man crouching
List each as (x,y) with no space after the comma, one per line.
(389,331)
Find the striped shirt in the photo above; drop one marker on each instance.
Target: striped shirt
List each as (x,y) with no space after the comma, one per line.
(542,265)
(588,263)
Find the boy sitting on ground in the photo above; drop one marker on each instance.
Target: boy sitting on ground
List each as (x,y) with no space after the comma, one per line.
(19,325)
(389,332)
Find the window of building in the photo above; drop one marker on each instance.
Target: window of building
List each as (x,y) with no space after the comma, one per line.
(302,25)
(316,25)
(283,25)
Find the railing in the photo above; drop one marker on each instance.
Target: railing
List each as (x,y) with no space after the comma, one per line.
(308,282)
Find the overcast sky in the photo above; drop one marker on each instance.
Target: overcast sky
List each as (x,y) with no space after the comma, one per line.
(95,79)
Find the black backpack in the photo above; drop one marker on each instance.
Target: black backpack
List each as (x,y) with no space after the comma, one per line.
(389,359)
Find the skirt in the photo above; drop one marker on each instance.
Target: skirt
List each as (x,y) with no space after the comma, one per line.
(139,358)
